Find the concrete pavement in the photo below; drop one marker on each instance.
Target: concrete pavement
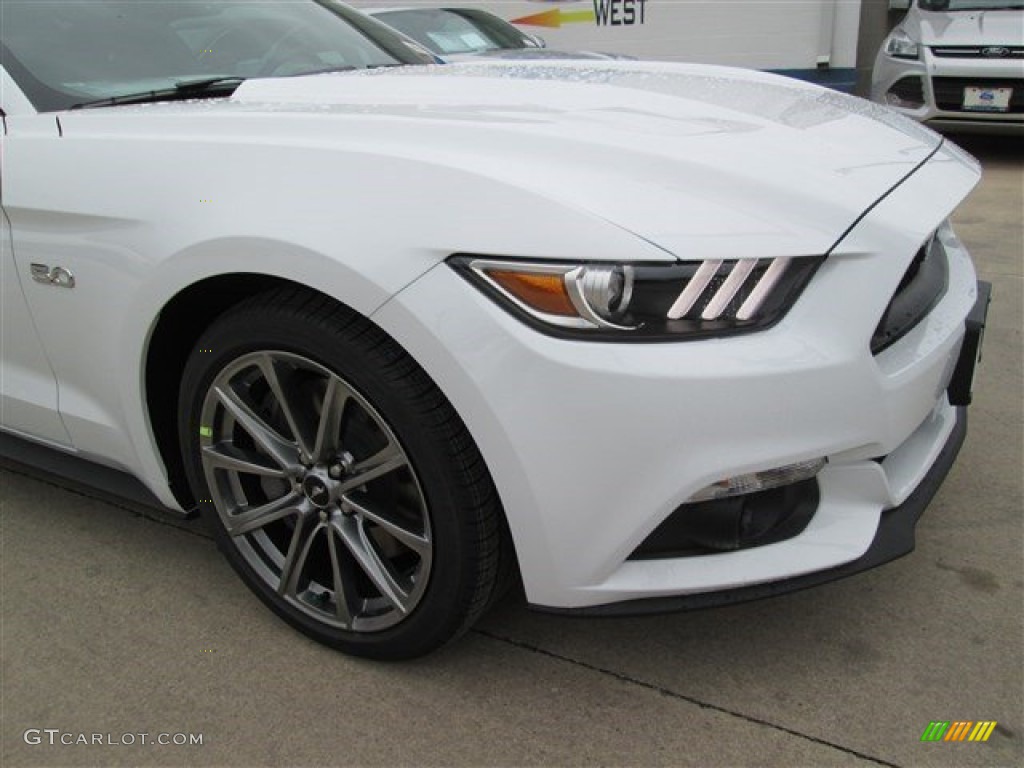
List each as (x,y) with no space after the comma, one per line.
(118,625)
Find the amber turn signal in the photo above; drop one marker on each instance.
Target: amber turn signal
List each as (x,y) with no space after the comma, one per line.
(542,293)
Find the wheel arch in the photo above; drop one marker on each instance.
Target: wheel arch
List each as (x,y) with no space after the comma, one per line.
(178,326)
(180,323)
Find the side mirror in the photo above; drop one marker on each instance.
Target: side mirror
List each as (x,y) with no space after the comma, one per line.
(899,5)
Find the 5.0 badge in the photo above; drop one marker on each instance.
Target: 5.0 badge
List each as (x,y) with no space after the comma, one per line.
(59,276)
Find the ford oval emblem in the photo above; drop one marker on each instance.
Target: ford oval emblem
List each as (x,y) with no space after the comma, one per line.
(995,52)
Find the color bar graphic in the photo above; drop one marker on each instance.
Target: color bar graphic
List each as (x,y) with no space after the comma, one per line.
(958,730)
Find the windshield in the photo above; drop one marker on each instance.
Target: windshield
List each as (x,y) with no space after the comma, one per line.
(971,5)
(453,31)
(65,52)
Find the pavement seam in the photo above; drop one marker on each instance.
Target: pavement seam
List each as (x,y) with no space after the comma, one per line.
(679,696)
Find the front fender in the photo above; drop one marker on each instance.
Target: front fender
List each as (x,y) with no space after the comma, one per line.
(140,217)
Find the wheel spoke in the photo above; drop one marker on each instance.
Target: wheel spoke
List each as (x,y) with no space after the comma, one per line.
(356,540)
(336,397)
(282,451)
(381,463)
(231,457)
(414,541)
(298,551)
(341,609)
(280,381)
(265,514)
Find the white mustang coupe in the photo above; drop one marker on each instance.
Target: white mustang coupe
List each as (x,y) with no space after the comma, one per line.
(644,336)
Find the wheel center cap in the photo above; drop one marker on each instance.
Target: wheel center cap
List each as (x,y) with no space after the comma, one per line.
(316,491)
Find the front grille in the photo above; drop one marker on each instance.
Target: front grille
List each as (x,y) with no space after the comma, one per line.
(919,291)
(949,92)
(1015,52)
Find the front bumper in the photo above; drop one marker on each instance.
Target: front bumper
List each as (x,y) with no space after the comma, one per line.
(941,82)
(893,539)
(593,445)
(895,535)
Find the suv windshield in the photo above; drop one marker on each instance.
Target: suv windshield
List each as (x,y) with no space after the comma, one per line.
(66,52)
(971,5)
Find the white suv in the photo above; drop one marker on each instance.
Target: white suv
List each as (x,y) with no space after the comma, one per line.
(956,64)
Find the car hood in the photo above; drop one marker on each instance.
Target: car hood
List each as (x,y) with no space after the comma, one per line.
(703,162)
(995,28)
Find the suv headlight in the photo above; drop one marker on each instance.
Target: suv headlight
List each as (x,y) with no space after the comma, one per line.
(899,45)
(642,302)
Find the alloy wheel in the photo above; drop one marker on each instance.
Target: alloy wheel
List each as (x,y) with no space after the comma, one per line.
(315,491)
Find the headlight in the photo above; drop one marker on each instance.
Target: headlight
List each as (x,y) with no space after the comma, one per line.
(899,45)
(642,302)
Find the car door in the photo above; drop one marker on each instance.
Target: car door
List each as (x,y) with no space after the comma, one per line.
(28,386)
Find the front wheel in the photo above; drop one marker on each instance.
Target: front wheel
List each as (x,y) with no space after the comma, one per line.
(338,480)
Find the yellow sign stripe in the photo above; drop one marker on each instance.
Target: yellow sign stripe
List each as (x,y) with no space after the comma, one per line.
(988,731)
(568,17)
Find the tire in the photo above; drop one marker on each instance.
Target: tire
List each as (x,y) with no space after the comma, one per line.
(338,481)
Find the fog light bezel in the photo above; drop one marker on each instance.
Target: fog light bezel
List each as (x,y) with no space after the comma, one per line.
(908,92)
(763,480)
(711,528)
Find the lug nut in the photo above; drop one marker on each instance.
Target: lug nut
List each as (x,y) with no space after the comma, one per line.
(336,471)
